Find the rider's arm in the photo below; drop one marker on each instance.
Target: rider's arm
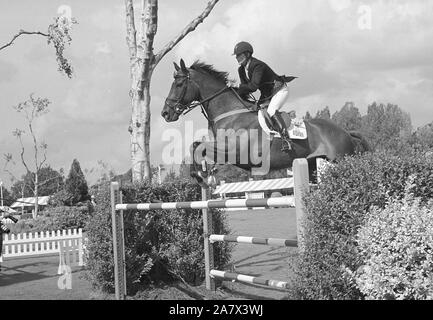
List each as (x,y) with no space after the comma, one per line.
(254,83)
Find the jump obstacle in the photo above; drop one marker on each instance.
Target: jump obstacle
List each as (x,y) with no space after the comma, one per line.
(301,185)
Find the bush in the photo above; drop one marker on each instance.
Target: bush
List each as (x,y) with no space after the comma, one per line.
(396,245)
(160,246)
(61,198)
(55,218)
(337,209)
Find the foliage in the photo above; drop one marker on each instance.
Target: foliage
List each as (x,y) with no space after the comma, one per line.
(160,245)
(396,246)
(348,117)
(55,218)
(231,173)
(337,209)
(7,197)
(386,127)
(307,116)
(76,184)
(323,114)
(59,35)
(50,182)
(184,171)
(423,137)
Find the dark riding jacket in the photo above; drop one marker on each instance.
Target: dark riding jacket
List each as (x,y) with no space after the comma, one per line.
(261,77)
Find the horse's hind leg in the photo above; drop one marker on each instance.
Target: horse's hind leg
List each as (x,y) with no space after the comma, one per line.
(312,170)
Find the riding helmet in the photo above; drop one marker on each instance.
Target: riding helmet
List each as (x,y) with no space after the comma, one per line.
(242,47)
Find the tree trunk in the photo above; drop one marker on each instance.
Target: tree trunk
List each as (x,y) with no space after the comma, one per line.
(140,134)
(35,214)
(142,63)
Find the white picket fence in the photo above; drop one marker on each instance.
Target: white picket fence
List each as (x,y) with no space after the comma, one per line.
(68,244)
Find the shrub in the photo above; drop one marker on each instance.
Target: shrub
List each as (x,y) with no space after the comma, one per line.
(396,244)
(61,198)
(55,218)
(159,245)
(337,209)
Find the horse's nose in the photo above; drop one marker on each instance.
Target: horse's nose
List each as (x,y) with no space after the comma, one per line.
(164,113)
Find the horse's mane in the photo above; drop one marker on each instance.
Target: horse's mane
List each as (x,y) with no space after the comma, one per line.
(209,69)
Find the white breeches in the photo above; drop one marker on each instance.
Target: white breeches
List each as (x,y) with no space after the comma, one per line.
(278,100)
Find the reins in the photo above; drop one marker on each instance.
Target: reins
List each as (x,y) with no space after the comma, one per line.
(185,109)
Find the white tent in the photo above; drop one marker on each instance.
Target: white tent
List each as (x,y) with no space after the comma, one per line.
(30,202)
(7,209)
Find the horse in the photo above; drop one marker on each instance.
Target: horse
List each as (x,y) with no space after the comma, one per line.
(202,85)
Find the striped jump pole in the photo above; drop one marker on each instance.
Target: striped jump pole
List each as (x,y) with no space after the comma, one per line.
(248,279)
(253,240)
(301,185)
(209,204)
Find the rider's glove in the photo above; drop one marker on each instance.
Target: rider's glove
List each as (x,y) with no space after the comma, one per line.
(231,84)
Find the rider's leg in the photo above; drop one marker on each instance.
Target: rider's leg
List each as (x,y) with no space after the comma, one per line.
(278,100)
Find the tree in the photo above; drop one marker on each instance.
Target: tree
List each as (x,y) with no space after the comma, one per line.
(21,188)
(423,137)
(31,109)
(142,62)
(348,117)
(184,170)
(307,116)
(59,35)
(51,182)
(386,127)
(7,198)
(323,114)
(76,184)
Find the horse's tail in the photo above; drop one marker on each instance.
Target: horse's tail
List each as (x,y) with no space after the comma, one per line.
(361,143)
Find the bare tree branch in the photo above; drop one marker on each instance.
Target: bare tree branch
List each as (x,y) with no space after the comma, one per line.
(18,134)
(44,147)
(189,28)
(48,180)
(21,32)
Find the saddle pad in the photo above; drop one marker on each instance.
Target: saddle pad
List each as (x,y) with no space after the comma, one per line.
(296,129)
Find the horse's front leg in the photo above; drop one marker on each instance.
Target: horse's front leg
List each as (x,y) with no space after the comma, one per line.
(200,170)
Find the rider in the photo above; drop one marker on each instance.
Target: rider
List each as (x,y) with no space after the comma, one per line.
(257,75)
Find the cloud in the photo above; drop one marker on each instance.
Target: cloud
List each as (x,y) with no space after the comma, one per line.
(103,47)
(323,44)
(7,71)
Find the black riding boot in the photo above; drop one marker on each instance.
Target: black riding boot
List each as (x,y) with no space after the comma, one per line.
(281,127)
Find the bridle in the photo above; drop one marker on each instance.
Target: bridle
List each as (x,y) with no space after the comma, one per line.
(182,108)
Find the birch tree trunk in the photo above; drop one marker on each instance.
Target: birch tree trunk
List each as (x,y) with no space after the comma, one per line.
(142,62)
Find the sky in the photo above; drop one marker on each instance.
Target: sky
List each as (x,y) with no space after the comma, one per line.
(341,50)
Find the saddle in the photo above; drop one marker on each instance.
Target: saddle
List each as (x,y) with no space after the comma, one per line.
(295,126)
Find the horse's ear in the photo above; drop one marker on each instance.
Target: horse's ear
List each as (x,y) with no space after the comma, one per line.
(183,67)
(176,66)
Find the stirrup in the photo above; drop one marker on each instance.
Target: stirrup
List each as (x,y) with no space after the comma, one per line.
(286,146)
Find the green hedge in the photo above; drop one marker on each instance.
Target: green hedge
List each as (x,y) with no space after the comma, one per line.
(396,245)
(336,211)
(161,245)
(55,218)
